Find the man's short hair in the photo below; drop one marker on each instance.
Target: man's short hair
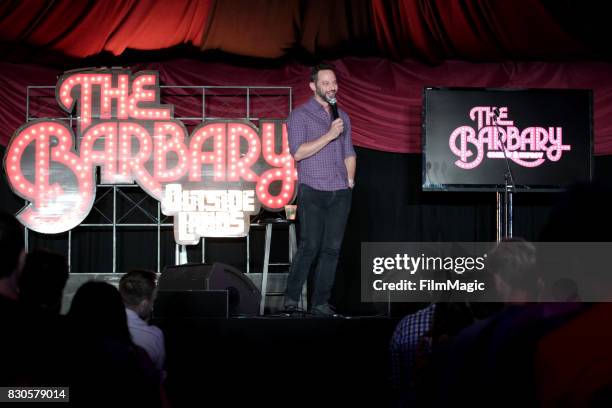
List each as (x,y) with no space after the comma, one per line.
(514,261)
(11,244)
(314,74)
(136,286)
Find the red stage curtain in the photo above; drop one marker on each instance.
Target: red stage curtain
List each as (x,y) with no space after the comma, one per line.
(383,98)
(483,30)
(84,28)
(270,28)
(428,30)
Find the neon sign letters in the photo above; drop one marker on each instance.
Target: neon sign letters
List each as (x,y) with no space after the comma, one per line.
(211,181)
(527,148)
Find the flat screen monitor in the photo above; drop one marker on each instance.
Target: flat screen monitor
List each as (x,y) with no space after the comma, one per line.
(472,136)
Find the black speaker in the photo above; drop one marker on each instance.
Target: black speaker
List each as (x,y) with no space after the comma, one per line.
(243,295)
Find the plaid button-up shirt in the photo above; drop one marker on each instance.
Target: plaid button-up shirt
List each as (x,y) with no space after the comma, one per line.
(404,349)
(324,170)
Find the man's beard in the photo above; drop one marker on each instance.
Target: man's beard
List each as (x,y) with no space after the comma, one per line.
(322,94)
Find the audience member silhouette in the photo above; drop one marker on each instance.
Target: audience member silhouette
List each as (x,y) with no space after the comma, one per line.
(565,341)
(138,289)
(106,366)
(12,258)
(12,316)
(43,279)
(495,356)
(29,338)
(573,363)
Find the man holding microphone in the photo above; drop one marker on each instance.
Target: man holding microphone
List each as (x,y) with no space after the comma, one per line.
(320,142)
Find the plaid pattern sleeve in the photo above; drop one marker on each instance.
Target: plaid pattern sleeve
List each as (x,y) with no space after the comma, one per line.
(297,130)
(347,145)
(404,345)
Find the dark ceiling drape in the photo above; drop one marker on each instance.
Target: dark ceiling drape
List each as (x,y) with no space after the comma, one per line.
(429,30)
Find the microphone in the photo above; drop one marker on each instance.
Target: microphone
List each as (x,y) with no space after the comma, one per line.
(496,112)
(334,107)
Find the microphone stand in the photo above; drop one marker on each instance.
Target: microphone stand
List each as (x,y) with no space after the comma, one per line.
(504,230)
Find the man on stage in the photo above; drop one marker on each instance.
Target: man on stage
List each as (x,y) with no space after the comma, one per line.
(320,142)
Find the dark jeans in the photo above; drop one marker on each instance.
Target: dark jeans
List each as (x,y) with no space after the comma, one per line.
(322,216)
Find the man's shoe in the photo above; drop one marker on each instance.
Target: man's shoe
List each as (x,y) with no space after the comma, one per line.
(324,310)
(291,306)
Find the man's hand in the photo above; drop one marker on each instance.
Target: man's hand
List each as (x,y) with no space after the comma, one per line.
(309,148)
(336,128)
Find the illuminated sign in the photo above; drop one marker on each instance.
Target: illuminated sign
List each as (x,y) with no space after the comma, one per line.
(502,139)
(471,136)
(211,181)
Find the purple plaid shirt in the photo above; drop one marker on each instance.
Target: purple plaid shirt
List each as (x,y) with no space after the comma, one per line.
(324,170)
(404,351)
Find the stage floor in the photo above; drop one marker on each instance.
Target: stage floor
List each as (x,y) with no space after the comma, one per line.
(278,361)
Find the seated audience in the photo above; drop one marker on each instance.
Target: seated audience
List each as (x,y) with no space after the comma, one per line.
(30,339)
(106,366)
(138,290)
(12,315)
